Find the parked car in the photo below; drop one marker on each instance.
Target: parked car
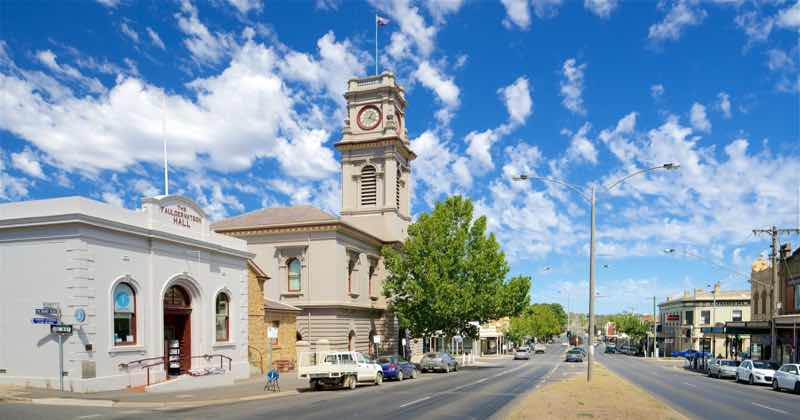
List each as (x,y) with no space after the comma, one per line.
(580,349)
(395,367)
(440,361)
(611,349)
(343,369)
(787,377)
(574,355)
(539,348)
(522,353)
(756,372)
(722,368)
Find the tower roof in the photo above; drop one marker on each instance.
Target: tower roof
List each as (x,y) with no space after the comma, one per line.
(275,216)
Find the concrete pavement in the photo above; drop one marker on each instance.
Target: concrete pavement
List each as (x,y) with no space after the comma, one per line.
(477,392)
(699,397)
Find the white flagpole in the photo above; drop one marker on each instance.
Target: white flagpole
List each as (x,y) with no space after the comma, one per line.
(376,45)
(164,137)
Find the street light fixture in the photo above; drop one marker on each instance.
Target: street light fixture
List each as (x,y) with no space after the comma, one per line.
(591,198)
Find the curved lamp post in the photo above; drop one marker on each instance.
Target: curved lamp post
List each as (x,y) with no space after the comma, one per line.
(591,199)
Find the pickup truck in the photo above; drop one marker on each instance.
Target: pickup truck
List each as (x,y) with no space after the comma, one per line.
(339,370)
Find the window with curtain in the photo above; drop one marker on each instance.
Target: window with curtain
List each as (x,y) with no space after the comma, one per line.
(223,317)
(124,315)
(294,275)
(369,187)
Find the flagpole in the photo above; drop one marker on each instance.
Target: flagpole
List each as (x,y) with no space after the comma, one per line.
(376,45)
(164,137)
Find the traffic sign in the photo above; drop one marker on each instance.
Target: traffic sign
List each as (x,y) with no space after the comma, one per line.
(61,329)
(51,321)
(272,332)
(46,311)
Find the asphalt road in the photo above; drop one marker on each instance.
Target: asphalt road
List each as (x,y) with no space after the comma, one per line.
(699,397)
(479,392)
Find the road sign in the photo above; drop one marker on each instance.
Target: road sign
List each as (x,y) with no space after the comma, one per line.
(272,332)
(376,339)
(46,311)
(61,329)
(51,321)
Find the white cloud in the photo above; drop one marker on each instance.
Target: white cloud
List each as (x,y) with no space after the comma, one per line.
(461,61)
(434,161)
(115,199)
(155,39)
(699,118)
(441,8)
(517,97)
(479,148)
(244,6)
(27,162)
(129,32)
(617,139)
(49,60)
(656,91)
(724,104)
(572,86)
(206,47)
(411,23)
(602,8)
(681,15)
(581,149)
(545,8)
(327,4)
(145,188)
(778,60)
(790,17)
(517,13)
(444,87)
(109,3)
(756,27)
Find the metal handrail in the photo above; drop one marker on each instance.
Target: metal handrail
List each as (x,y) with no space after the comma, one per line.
(260,357)
(221,357)
(139,362)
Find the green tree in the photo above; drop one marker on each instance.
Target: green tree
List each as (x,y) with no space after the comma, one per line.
(561,315)
(539,320)
(631,325)
(449,272)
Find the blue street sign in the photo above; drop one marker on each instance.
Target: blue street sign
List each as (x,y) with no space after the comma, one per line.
(46,311)
(80,315)
(50,321)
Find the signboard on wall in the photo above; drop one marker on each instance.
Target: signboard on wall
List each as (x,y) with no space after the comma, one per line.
(673,317)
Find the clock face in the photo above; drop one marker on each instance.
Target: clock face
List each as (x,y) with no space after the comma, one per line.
(368,117)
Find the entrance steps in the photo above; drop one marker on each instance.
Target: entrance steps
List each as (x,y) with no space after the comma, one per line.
(188,382)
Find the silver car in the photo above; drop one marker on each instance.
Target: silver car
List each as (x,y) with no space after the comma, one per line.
(522,353)
(440,361)
(574,355)
(787,377)
(722,368)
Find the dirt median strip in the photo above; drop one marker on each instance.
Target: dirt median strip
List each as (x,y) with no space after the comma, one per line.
(608,396)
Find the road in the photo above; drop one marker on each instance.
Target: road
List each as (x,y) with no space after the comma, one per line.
(699,397)
(479,392)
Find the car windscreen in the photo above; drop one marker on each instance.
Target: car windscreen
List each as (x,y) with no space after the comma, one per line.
(765,365)
(384,359)
(432,355)
(574,352)
(729,363)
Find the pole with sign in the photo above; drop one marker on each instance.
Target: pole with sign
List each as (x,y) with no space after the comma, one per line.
(272,333)
(61,331)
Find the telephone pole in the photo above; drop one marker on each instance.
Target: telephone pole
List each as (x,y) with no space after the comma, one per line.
(776,287)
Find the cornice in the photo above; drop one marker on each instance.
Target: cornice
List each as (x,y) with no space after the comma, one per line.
(369,144)
(337,226)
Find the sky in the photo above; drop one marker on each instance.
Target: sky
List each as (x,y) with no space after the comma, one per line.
(248,94)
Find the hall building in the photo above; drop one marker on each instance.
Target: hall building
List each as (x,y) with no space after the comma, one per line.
(331,267)
(151,294)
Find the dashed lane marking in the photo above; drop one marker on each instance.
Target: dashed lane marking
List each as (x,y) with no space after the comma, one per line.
(415,401)
(691,385)
(769,408)
(89,416)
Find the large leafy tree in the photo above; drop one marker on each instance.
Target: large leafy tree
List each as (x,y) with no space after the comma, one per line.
(631,325)
(539,320)
(449,272)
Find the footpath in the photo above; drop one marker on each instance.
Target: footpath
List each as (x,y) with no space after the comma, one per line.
(245,390)
(608,396)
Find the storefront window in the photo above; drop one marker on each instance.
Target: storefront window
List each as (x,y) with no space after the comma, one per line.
(223,317)
(124,315)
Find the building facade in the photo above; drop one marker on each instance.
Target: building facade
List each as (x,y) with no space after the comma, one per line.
(331,267)
(787,320)
(683,320)
(136,285)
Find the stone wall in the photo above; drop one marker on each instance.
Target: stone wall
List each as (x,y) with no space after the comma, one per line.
(256,331)
(284,351)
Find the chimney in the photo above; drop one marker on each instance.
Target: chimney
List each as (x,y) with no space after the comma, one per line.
(716,288)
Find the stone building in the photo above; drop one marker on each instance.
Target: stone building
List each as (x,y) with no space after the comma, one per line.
(331,267)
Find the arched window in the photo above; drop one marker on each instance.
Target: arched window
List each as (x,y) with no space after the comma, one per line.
(294,275)
(223,317)
(755,303)
(124,315)
(764,303)
(369,192)
(397,188)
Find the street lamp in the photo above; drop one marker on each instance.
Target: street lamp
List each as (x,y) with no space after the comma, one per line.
(591,198)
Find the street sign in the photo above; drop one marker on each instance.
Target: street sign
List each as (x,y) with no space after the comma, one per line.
(46,311)
(272,332)
(376,339)
(61,329)
(51,321)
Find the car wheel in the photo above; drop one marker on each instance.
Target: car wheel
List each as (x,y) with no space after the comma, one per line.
(455,367)
(315,386)
(378,379)
(447,369)
(775,385)
(414,374)
(797,387)
(751,381)
(400,376)
(351,382)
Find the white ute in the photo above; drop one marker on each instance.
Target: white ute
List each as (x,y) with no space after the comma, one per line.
(343,369)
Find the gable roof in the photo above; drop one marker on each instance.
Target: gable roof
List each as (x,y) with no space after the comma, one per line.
(272,305)
(257,270)
(275,216)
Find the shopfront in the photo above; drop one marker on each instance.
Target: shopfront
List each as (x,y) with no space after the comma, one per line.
(151,289)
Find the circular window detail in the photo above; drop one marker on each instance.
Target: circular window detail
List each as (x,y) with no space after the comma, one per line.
(368,117)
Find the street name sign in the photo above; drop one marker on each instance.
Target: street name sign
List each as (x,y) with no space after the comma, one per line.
(51,321)
(61,329)
(46,311)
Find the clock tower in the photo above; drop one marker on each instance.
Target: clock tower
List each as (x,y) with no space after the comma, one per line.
(376,158)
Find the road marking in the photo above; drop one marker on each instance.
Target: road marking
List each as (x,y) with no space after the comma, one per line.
(691,385)
(415,401)
(89,416)
(769,408)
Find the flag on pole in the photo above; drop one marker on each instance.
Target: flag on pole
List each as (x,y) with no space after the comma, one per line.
(381,21)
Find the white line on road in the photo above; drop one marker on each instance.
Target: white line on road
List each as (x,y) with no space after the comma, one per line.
(415,401)
(769,408)
(691,385)
(89,416)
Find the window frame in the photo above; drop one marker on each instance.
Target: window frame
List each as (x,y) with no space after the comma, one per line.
(133,319)
(368,172)
(733,315)
(227,337)
(705,317)
(289,263)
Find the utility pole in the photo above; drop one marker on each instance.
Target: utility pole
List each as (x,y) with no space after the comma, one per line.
(776,287)
(655,333)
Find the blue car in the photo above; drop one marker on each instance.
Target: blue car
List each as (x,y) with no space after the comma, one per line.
(396,367)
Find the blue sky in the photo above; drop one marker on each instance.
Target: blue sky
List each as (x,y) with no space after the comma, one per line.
(585,91)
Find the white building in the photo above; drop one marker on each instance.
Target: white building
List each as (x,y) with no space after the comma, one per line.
(131,282)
